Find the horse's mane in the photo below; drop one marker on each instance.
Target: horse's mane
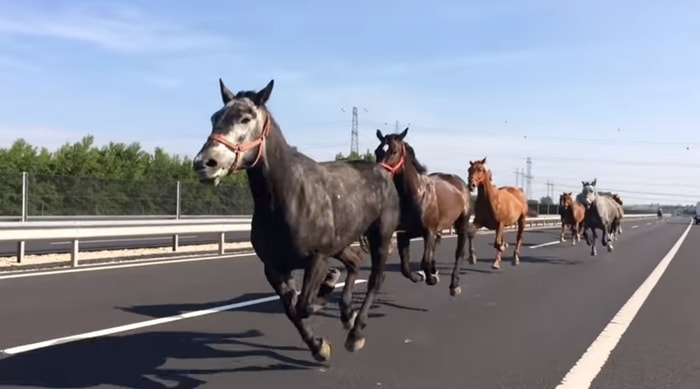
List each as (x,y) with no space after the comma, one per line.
(420,168)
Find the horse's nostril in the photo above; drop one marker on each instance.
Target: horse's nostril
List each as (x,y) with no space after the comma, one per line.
(211,163)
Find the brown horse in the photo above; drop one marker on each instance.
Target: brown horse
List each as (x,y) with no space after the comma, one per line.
(572,215)
(496,208)
(430,203)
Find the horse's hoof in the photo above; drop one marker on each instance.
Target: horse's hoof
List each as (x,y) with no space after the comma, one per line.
(610,248)
(351,322)
(324,352)
(433,279)
(516,262)
(353,345)
(495,266)
(472,259)
(456,291)
(421,274)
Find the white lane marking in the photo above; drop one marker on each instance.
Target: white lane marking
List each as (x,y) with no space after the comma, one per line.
(168,261)
(648,224)
(545,244)
(634,226)
(592,361)
(155,238)
(142,324)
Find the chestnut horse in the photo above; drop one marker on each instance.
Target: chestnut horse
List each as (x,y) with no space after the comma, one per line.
(430,203)
(572,215)
(497,208)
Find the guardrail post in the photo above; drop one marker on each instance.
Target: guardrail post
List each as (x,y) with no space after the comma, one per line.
(20,251)
(176,242)
(25,196)
(222,241)
(74,253)
(177,201)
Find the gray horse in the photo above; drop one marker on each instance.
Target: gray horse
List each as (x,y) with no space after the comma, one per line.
(602,212)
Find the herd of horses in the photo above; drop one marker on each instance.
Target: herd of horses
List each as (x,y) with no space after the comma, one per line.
(306,212)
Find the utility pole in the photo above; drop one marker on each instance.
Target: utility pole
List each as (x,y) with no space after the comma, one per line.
(397,126)
(528,181)
(354,135)
(517,178)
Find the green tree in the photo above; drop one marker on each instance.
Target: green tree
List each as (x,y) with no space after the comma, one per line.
(367,156)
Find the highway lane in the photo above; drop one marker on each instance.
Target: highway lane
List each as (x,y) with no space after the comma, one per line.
(519,327)
(660,349)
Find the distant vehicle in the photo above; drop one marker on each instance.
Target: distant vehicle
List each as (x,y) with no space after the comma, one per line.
(697,213)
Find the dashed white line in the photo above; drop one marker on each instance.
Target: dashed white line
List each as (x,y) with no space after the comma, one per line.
(591,363)
(142,324)
(634,226)
(545,244)
(648,224)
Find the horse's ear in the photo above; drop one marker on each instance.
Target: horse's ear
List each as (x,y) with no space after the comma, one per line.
(483,161)
(595,180)
(264,94)
(403,133)
(226,94)
(583,183)
(380,136)
(570,193)
(471,163)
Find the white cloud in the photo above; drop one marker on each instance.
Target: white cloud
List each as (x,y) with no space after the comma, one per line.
(116,28)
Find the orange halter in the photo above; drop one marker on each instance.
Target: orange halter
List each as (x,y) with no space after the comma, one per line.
(402,160)
(238,149)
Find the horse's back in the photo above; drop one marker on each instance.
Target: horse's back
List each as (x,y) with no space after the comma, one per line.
(451,192)
(518,194)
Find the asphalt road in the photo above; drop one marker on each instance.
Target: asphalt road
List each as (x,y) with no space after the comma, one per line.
(518,327)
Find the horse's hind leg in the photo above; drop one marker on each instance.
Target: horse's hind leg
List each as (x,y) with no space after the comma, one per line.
(379,242)
(519,240)
(314,275)
(283,284)
(403,245)
(471,233)
(327,287)
(352,265)
(460,226)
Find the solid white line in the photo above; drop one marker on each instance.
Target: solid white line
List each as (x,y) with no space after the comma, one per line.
(155,238)
(634,226)
(142,324)
(591,363)
(545,244)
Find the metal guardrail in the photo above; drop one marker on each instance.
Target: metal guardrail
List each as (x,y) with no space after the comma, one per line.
(77,230)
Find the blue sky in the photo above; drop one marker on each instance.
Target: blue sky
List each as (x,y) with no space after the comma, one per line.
(586,88)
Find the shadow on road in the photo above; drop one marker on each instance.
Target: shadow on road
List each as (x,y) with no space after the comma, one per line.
(144,360)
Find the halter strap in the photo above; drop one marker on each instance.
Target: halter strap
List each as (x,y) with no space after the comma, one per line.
(240,148)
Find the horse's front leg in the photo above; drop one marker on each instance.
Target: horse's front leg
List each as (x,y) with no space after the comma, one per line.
(498,245)
(403,245)
(428,261)
(283,284)
(575,233)
(594,251)
(471,233)
(379,252)
(561,233)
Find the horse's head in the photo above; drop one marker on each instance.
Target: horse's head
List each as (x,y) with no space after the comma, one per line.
(589,192)
(478,174)
(238,134)
(565,200)
(617,198)
(393,153)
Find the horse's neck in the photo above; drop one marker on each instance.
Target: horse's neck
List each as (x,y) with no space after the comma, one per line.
(413,184)
(487,192)
(269,180)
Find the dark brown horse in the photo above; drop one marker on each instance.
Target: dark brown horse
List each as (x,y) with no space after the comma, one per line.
(304,212)
(497,208)
(430,203)
(572,215)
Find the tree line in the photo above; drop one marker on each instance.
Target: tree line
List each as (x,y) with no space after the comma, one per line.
(116,179)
